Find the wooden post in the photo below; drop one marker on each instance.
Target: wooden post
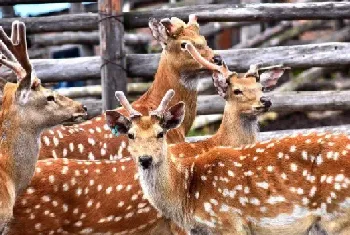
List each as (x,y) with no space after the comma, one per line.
(113,66)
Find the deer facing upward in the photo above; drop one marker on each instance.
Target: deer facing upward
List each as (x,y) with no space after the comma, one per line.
(282,186)
(27,109)
(177,70)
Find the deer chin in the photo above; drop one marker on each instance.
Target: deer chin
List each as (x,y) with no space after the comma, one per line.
(190,80)
(77,117)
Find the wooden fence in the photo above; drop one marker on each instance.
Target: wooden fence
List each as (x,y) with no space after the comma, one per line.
(116,67)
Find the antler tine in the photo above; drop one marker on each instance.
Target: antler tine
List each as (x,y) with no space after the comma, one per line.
(19,40)
(192,19)
(253,70)
(125,103)
(15,50)
(164,103)
(8,60)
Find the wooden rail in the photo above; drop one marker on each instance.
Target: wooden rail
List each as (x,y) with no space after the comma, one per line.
(246,12)
(282,102)
(91,38)
(206,13)
(145,65)
(14,2)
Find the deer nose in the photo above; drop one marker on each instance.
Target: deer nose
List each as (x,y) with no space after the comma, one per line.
(217,59)
(266,102)
(145,161)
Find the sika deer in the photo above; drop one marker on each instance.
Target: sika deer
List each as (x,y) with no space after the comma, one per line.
(27,109)
(282,186)
(244,102)
(177,70)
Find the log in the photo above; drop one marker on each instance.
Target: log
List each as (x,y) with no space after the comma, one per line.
(282,102)
(246,12)
(113,68)
(297,30)
(145,65)
(288,101)
(90,38)
(211,29)
(96,90)
(312,55)
(206,13)
(263,136)
(14,2)
(315,73)
(264,36)
(60,23)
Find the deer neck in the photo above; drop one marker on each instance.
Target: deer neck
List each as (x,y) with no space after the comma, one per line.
(236,129)
(19,147)
(162,186)
(168,78)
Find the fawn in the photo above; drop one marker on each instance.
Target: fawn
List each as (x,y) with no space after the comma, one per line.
(177,70)
(27,109)
(282,186)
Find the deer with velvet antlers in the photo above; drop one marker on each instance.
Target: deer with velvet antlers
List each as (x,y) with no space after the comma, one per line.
(282,186)
(78,182)
(27,109)
(93,140)
(177,70)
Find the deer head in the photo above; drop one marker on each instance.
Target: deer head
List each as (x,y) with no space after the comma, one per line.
(175,35)
(33,105)
(146,133)
(246,92)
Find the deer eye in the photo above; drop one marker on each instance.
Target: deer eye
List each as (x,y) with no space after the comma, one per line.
(183,45)
(237,92)
(131,136)
(160,135)
(50,98)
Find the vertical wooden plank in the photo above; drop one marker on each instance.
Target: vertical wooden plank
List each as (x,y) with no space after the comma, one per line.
(8,12)
(113,73)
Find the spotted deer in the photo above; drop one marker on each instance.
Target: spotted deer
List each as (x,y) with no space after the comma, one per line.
(244,102)
(281,186)
(177,70)
(93,140)
(27,109)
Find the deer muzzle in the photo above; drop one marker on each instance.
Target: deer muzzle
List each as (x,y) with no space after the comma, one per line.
(145,161)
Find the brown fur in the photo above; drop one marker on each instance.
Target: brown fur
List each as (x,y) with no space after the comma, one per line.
(25,113)
(227,190)
(94,140)
(239,123)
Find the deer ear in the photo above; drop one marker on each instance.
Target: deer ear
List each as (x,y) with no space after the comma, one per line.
(159,31)
(118,123)
(174,116)
(270,77)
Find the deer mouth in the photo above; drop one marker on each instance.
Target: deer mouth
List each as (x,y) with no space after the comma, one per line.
(78,117)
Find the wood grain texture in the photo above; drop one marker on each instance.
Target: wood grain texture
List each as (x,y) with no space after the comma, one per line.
(14,2)
(144,65)
(113,65)
(206,13)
